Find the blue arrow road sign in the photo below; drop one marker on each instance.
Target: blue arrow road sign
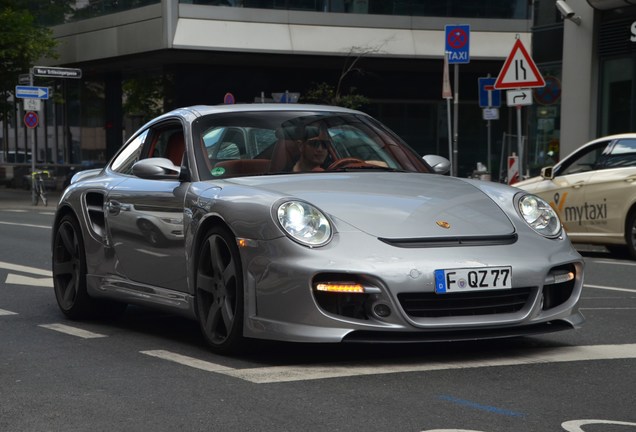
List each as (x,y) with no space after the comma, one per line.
(489,97)
(30,92)
(458,43)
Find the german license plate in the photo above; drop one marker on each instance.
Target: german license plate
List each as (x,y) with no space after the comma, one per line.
(472,279)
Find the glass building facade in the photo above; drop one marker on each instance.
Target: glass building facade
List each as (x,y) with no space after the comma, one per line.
(130,72)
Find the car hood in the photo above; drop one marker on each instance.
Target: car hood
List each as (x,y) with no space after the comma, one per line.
(395,205)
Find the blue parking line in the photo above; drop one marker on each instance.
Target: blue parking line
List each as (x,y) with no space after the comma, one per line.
(481,407)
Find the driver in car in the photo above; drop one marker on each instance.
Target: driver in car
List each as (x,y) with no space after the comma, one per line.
(313,151)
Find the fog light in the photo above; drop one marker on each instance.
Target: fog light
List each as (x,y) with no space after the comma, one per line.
(559,278)
(340,287)
(381,310)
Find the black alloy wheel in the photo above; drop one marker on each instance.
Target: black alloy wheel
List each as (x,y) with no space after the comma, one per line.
(69,275)
(219,291)
(69,269)
(630,233)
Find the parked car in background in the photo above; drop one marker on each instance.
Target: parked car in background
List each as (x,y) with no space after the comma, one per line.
(594,192)
(202,213)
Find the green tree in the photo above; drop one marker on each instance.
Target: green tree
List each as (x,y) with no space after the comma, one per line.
(22,42)
(325,93)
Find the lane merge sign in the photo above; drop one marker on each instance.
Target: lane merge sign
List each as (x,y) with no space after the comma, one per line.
(56,72)
(458,43)
(31,92)
(519,70)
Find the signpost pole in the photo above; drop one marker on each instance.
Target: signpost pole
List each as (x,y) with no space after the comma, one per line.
(32,137)
(488,122)
(455,119)
(447,94)
(519,142)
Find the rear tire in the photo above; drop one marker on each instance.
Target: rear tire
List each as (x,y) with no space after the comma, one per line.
(69,275)
(219,292)
(630,233)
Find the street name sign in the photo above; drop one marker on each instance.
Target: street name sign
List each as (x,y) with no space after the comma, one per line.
(519,70)
(56,72)
(458,43)
(31,92)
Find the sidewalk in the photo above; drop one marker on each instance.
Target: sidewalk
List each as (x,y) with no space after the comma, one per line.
(21,199)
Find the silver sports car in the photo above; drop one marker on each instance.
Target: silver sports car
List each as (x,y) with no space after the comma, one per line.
(310,224)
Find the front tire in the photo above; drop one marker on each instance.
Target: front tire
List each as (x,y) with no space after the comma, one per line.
(219,291)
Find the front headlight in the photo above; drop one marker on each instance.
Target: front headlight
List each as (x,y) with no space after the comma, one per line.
(539,215)
(304,223)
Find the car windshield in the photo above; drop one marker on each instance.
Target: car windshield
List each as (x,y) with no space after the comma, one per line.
(257,143)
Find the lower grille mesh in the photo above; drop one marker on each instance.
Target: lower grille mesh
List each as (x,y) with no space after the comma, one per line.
(431,305)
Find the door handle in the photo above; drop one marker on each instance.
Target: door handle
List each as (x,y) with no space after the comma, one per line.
(115,207)
(578,185)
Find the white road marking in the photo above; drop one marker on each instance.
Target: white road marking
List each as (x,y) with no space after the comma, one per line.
(277,374)
(73,331)
(187,361)
(610,288)
(450,430)
(627,263)
(25,269)
(27,280)
(6,312)
(25,225)
(575,425)
(14,211)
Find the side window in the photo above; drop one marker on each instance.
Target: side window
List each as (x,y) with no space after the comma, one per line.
(587,160)
(169,143)
(130,154)
(622,154)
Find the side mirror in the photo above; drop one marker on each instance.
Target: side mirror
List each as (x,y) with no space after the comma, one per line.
(440,164)
(547,173)
(156,169)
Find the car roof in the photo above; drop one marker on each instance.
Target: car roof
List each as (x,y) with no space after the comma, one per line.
(216,109)
(631,135)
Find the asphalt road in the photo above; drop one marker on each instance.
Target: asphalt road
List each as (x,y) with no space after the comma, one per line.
(151,371)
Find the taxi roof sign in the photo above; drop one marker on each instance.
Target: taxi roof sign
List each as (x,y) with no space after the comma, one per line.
(519,70)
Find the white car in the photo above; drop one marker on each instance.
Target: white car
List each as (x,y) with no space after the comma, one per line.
(594,192)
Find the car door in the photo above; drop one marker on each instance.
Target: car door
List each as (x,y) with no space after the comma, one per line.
(566,190)
(145,219)
(612,190)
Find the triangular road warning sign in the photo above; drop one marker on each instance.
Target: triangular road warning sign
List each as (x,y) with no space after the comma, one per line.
(519,70)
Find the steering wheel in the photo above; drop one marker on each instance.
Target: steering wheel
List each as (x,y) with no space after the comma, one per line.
(341,163)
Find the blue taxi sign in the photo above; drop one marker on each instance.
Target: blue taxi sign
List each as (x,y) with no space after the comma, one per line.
(458,43)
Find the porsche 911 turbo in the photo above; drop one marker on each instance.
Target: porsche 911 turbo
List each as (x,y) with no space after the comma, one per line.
(205,212)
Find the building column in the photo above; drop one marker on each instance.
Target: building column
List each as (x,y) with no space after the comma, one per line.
(114,113)
(579,86)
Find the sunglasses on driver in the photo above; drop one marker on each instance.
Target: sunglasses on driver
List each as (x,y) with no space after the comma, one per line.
(315,143)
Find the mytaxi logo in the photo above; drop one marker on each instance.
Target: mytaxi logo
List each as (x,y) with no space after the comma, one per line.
(559,201)
(590,212)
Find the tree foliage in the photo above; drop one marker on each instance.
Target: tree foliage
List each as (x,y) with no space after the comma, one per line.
(22,42)
(328,94)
